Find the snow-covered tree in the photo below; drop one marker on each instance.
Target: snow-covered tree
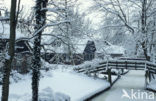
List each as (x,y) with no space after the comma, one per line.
(10,54)
(40,17)
(75,28)
(135,16)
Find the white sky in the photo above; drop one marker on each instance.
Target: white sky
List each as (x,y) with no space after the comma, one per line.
(95,17)
(85,4)
(26,3)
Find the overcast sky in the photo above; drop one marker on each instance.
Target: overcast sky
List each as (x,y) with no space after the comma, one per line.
(84,5)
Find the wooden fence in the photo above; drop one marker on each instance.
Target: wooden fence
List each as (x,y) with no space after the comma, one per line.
(148,67)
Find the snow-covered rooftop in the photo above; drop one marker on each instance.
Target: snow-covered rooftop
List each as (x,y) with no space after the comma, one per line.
(5,31)
(108,48)
(78,44)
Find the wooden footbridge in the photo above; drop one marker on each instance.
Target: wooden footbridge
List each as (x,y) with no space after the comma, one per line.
(129,64)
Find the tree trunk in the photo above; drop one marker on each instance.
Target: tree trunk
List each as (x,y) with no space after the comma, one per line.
(145,51)
(144,29)
(40,21)
(67,34)
(9,58)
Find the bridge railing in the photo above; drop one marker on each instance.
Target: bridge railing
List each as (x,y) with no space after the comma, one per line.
(106,66)
(151,67)
(126,64)
(120,64)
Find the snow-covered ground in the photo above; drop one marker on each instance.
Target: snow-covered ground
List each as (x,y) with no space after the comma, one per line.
(76,86)
(152,84)
(133,84)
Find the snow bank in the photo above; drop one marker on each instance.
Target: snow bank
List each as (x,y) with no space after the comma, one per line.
(59,84)
(152,84)
(15,77)
(91,64)
(77,86)
(45,95)
(48,95)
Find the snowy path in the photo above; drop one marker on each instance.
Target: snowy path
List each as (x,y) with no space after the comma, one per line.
(133,80)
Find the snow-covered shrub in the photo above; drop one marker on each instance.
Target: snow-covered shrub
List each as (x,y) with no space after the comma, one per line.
(48,95)
(90,64)
(47,66)
(46,74)
(152,84)
(61,97)
(15,76)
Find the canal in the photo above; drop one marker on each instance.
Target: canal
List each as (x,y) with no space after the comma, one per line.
(130,87)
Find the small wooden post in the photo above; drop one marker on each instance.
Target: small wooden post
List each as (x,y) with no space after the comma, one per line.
(116,65)
(149,74)
(122,70)
(95,75)
(109,76)
(126,64)
(135,65)
(146,76)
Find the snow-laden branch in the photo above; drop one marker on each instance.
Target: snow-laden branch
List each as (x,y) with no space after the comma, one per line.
(4,18)
(55,37)
(115,9)
(49,25)
(53,9)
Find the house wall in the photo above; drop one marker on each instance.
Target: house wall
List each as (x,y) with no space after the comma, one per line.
(89,56)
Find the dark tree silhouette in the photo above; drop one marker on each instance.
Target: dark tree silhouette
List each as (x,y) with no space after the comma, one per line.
(40,16)
(10,54)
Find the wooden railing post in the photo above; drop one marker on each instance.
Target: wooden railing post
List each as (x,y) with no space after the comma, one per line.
(116,65)
(126,64)
(146,82)
(149,74)
(109,76)
(146,75)
(122,70)
(135,65)
(95,75)
(107,64)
